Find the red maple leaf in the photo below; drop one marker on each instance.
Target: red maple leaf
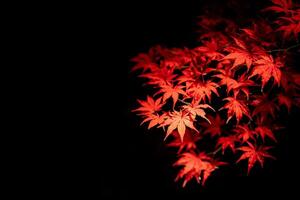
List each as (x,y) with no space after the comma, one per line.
(188,143)
(264,107)
(171,91)
(289,21)
(235,108)
(210,49)
(244,133)
(289,26)
(160,77)
(280,6)
(227,78)
(242,84)
(154,119)
(284,100)
(254,154)
(175,58)
(290,80)
(195,109)
(264,131)
(149,106)
(144,62)
(227,142)
(242,55)
(178,120)
(200,91)
(214,128)
(196,166)
(266,68)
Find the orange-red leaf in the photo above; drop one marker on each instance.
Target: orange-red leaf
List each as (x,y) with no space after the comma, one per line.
(197,110)
(188,143)
(149,106)
(227,142)
(214,128)
(244,133)
(171,91)
(266,68)
(235,108)
(254,154)
(200,91)
(196,166)
(178,120)
(264,131)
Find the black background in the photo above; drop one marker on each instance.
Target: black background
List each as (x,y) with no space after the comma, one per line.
(130,161)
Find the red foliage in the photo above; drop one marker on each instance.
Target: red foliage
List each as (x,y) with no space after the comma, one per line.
(254,154)
(196,166)
(231,87)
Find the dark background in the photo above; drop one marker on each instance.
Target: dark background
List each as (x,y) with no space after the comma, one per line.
(132,162)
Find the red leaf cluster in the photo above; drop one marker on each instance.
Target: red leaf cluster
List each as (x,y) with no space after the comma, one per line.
(228,91)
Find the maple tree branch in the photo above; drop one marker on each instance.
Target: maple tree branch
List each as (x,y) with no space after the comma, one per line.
(291,47)
(193,65)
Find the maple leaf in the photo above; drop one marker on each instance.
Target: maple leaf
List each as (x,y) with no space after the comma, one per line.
(196,166)
(144,62)
(242,55)
(261,32)
(267,68)
(290,80)
(188,75)
(244,133)
(175,58)
(200,90)
(178,120)
(171,91)
(161,77)
(188,143)
(149,106)
(264,107)
(174,62)
(192,167)
(210,49)
(184,55)
(243,86)
(289,22)
(254,154)
(235,108)
(227,79)
(285,101)
(154,119)
(223,64)
(197,67)
(214,128)
(227,142)
(289,27)
(250,33)
(280,6)
(264,131)
(197,110)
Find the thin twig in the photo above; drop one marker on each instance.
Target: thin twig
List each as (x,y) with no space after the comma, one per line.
(183,101)
(291,47)
(216,151)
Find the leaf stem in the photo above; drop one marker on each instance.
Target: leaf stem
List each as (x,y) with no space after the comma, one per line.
(183,102)
(216,151)
(291,47)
